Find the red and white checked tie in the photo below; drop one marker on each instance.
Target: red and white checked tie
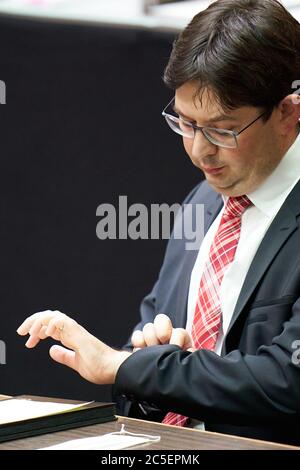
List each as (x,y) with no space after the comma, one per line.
(208,314)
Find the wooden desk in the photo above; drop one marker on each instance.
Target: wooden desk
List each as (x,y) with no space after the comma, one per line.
(172,438)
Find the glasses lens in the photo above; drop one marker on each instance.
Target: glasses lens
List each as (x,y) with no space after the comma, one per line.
(179,126)
(220,137)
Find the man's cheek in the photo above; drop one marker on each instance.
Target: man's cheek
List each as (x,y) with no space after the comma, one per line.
(188,146)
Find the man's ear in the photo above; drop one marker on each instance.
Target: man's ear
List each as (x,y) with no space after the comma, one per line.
(289,113)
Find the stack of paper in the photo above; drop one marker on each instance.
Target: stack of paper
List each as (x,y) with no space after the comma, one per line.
(26,416)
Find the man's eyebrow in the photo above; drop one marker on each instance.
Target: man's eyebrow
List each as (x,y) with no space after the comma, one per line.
(213,119)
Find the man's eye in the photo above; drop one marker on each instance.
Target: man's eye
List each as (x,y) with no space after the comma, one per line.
(186,123)
(222,131)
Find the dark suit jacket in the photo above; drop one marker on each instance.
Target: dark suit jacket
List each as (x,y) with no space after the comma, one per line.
(253,389)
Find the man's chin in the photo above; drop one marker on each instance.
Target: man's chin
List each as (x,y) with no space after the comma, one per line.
(228,189)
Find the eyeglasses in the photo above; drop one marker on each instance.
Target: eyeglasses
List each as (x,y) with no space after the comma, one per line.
(220,137)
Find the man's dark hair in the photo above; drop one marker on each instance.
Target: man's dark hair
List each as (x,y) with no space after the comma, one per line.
(246,52)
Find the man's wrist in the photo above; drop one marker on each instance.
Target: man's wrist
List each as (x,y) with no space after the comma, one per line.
(120,357)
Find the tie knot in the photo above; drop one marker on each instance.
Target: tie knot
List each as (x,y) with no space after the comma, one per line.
(236,206)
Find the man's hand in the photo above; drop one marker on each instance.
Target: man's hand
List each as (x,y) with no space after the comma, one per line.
(161,331)
(90,357)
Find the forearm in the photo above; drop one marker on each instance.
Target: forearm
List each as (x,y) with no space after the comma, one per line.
(205,386)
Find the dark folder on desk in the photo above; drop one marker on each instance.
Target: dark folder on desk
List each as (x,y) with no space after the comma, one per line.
(88,414)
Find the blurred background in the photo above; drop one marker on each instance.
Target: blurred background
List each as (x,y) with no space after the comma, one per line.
(82,125)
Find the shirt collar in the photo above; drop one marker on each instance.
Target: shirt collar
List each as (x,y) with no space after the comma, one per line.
(270,196)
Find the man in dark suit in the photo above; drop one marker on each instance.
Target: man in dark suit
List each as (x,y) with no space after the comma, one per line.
(226,353)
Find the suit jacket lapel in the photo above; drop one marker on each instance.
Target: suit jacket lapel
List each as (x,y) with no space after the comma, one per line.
(281,228)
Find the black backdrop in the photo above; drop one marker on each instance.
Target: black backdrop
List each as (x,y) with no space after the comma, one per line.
(81,126)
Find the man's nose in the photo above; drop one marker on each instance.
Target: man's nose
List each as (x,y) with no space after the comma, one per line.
(202,146)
